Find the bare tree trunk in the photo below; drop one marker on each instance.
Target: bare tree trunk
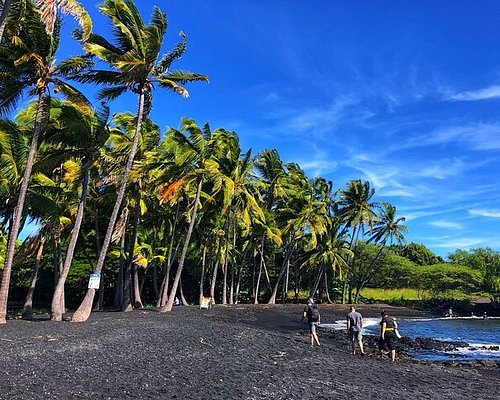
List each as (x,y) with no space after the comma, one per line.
(261,264)
(18,211)
(288,254)
(326,287)
(181,292)
(170,303)
(28,304)
(83,312)
(162,299)
(131,286)
(100,301)
(58,267)
(202,277)
(57,307)
(3,16)
(123,259)
(233,266)
(137,292)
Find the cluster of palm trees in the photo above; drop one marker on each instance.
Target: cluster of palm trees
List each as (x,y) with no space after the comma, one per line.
(189,205)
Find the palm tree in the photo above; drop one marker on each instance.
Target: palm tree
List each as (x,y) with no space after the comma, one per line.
(49,10)
(356,211)
(82,131)
(301,215)
(188,161)
(388,229)
(135,67)
(27,63)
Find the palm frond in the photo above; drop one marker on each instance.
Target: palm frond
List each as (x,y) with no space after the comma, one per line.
(167,60)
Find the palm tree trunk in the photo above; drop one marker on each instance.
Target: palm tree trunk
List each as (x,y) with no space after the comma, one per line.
(83,312)
(118,301)
(129,287)
(28,304)
(181,293)
(367,275)
(100,302)
(261,264)
(288,254)
(202,276)
(170,303)
(162,300)
(326,287)
(57,311)
(18,211)
(137,292)
(3,17)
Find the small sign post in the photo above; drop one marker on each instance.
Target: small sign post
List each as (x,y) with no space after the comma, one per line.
(94,281)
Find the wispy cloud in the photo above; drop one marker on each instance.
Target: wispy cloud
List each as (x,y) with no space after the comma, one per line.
(477,136)
(318,167)
(485,213)
(474,95)
(460,243)
(272,97)
(446,224)
(321,119)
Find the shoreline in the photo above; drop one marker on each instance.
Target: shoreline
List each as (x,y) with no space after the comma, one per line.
(238,351)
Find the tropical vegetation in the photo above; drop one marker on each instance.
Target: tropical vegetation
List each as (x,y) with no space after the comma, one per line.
(185,213)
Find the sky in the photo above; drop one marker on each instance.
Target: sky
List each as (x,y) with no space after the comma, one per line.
(405,95)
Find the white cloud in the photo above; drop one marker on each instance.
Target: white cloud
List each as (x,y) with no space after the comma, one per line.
(477,136)
(320,119)
(474,95)
(446,224)
(485,213)
(460,243)
(318,167)
(272,97)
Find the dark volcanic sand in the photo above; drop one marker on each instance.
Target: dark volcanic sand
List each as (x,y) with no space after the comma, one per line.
(233,352)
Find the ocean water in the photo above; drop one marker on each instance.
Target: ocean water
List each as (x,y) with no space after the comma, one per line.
(480,335)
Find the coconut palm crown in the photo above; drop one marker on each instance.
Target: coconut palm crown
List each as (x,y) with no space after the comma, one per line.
(135,59)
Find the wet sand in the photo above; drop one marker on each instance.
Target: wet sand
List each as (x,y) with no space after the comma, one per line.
(229,352)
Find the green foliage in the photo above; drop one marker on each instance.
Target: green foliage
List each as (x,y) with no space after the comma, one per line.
(484,259)
(418,254)
(441,278)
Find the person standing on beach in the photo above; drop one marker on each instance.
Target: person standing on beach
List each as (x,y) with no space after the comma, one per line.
(388,327)
(354,329)
(313,316)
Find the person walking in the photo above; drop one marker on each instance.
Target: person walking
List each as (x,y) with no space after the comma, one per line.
(313,316)
(388,327)
(355,329)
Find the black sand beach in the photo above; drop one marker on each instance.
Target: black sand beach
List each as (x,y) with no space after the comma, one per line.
(229,352)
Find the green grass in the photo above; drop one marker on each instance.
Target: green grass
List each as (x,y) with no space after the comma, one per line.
(395,294)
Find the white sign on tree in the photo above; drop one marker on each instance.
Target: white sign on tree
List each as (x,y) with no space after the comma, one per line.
(94,281)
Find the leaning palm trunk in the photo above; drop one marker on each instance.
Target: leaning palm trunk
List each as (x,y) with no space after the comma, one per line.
(118,301)
(3,16)
(137,291)
(326,287)
(18,211)
(57,309)
(83,312)
(168,307)
(129,284)
(288,254)
(162,299)
(28,304)
(367,275)
(202,275)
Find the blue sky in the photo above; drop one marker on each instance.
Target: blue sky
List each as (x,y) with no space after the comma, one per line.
(405,95)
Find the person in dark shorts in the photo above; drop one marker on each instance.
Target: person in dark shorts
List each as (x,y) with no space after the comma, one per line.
(388,327)
(354,329)
(313,316)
